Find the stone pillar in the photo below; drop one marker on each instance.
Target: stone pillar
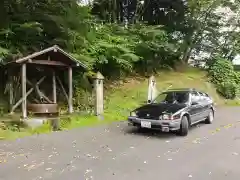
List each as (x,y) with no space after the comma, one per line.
(24,88)
(54,87)
(70,91)
(11,88)
(99,99)
(152,89)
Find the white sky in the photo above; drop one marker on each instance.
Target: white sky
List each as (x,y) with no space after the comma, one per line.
(84,2)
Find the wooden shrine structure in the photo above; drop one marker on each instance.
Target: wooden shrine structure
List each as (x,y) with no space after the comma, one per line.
(28,73)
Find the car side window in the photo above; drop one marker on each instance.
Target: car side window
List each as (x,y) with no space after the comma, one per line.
(202,95)
(195,96)
(205,94)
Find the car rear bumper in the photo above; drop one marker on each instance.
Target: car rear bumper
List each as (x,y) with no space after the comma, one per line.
(172,125)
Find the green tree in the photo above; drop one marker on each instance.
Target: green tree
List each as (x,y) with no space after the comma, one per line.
(30,25)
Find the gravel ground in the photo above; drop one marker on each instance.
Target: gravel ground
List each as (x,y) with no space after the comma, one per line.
(119,152)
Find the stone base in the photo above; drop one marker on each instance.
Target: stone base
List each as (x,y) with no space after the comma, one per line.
(35,122)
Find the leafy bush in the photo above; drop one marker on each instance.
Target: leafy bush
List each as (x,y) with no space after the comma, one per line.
(221,70)
(222,74)
(228,89)
(82,100)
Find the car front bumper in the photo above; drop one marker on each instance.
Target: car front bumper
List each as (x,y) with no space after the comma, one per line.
(171,125)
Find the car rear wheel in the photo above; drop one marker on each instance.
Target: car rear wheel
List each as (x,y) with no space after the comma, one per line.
(210,117)
(183,131)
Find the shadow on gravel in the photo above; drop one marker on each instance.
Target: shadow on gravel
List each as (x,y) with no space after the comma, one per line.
(149,133)
(158,134)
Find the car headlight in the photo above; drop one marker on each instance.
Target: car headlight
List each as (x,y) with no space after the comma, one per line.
(133,114)
(166,116)
(170,117)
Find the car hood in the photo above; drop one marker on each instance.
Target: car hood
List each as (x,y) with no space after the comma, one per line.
(158,109)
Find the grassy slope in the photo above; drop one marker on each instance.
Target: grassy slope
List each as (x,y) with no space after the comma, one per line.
(124,96)
(134,92)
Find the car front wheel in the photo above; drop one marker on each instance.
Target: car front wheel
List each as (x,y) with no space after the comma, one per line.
(183,131)
(210,117)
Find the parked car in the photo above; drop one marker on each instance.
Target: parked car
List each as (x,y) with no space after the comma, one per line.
(174,110)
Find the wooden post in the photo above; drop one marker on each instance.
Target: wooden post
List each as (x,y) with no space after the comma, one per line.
(99,101)
(54,88)
(70,91)
(62,87)
(11,89)
(27,94)
(24,89)
(152,89)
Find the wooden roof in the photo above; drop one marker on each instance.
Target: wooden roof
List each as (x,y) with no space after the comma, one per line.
(53,56)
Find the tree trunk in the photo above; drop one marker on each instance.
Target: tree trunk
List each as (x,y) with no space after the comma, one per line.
(187,54)
(187,47)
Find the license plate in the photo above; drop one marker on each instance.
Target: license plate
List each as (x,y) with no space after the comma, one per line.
(165,129)
(145,124)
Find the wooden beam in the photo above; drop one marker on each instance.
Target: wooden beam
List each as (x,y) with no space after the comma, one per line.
(27,94)
(48,62)
(21,100)
(24,88)
(42,95)
(62,87)
(70,90)
(54,87)
(39,92)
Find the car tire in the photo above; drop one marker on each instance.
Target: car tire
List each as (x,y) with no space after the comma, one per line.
(210,118)
(183,131)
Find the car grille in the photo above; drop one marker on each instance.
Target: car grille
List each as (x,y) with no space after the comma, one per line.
(145,115)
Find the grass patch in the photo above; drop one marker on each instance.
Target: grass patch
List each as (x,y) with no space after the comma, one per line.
(122,97)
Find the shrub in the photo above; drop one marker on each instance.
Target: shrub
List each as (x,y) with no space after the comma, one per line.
(222,74)
(228,89)
(221,70)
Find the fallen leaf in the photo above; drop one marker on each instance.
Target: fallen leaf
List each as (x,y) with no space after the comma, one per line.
(88,171)
(235,153)
(30,167)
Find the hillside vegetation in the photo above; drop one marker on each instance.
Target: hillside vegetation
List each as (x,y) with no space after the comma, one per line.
(127,43)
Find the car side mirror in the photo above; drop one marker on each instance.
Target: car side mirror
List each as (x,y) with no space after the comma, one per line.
(149,101)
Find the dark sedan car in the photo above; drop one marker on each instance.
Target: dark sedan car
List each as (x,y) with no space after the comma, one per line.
(174,110)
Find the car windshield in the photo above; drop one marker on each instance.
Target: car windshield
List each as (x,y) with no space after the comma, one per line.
(172,97)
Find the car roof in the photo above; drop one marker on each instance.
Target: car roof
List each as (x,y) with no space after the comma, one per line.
(184,90)
(181,90)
